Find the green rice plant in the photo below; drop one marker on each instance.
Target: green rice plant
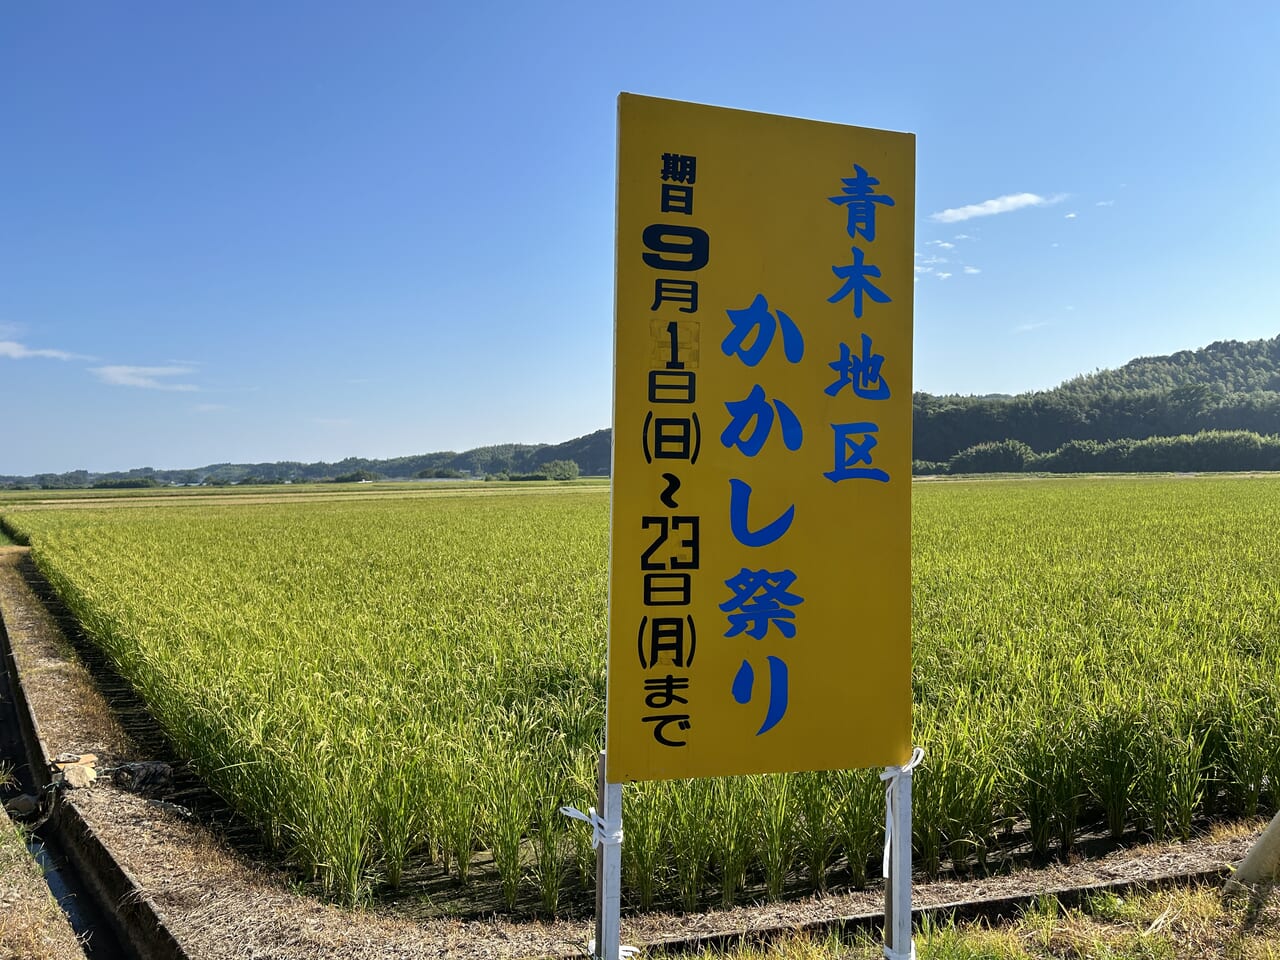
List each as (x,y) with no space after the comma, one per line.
(734,818)
(1213,727)
(582,791)
(1114,729)
(507,811)
(644,831)
(460,811)
(775,844)
(330,832)
(928,842)
(1186,788)
(1034,762)
(350,844)
(1050,759)
(966,770)
(1252,716)
(1155,782)
(859,802)
(817,830)
(1068,783)
(432,848)
(551,866)
(944,783)
(399,811)
(692,833)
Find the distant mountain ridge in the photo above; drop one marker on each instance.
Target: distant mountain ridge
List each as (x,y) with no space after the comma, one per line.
(1228,385)
(591,453)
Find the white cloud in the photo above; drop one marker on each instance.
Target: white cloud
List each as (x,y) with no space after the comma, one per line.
(944,276)
(1028,327)
(929,264)
(16,351)
(1105,203)
(943,244)
(1070,216)
(987,208)
(972,271)
(149,378)
(963,236)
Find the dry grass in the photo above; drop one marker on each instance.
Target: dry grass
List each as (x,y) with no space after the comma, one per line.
(1184,922)
(75,718)
(1180,922)
(32,927)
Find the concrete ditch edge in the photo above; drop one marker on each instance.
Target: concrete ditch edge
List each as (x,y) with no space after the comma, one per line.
(131,912)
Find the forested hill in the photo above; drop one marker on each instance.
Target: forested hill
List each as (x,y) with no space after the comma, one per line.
(1228,366)
(1228,385)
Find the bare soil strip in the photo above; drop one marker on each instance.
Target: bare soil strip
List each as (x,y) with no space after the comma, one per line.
(219,901)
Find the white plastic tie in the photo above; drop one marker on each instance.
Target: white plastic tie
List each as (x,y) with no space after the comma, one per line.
(601,834)
(890,777)
(625,950)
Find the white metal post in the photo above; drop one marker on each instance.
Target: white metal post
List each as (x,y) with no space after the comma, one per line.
(606,835)
(609,868)
(898,944)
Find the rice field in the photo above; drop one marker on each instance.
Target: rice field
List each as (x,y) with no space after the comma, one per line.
(387,684)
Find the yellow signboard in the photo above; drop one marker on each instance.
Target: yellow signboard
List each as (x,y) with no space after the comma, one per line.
(760,587)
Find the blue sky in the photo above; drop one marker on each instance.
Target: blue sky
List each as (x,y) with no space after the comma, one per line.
(255,231)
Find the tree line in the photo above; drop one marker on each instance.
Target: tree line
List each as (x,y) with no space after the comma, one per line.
(1226,387)
(1210,450)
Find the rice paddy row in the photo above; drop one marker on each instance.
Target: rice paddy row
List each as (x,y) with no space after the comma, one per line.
(387,683)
